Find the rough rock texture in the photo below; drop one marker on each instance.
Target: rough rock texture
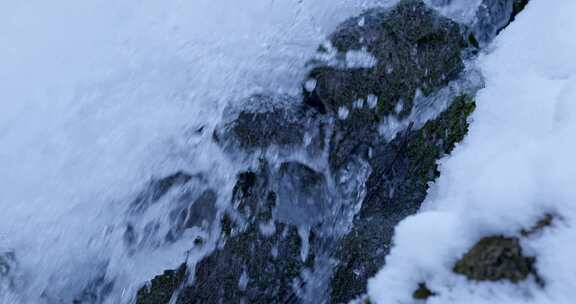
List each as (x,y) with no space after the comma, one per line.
(191,202)
(496,258)
(422,292)
(261,121)
(261,258)
(395,189)
(162,287)
(295,234)
(546,221)
(414,49)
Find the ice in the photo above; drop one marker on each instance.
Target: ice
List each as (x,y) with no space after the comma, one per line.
(515,166)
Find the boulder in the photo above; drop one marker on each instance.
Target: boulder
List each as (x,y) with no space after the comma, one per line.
(401,172)
(295,234)
(413,49)
(496,258)
(262,121)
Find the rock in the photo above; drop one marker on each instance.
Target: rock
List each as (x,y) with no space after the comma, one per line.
(288,224)
(414,50)
(401,171)
(496,258)
(201,213)
(543,223)
(162,287)
(95,291)
(157,188)
(262,121)
(261,258)
(192,203)
(423,292)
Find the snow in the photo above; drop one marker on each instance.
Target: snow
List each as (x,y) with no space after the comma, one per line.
(515,166)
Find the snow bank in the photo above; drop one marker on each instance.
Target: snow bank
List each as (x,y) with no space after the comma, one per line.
(515,166)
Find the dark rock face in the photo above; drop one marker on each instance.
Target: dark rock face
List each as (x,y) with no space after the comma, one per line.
(261,258)
(395,189)
(545,222)
(496,258)
(95,291)
(162,287)
(262,121)
(291,230)
(413,48)
(191,202)
(422,292)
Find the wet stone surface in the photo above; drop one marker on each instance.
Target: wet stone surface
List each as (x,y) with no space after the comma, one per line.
(415,49)
(296,233)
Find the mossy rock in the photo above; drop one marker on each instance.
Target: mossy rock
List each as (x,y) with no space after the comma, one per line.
(496,258)
(416,51)
(422,292)
(414,48)
(439,137)
(261,121)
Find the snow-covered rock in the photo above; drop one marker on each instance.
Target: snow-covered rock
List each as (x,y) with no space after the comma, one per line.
(515,167)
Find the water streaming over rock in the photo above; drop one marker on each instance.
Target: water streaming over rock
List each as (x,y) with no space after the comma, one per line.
(209,138)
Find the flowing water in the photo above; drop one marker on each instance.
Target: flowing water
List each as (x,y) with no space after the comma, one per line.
(98,98)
